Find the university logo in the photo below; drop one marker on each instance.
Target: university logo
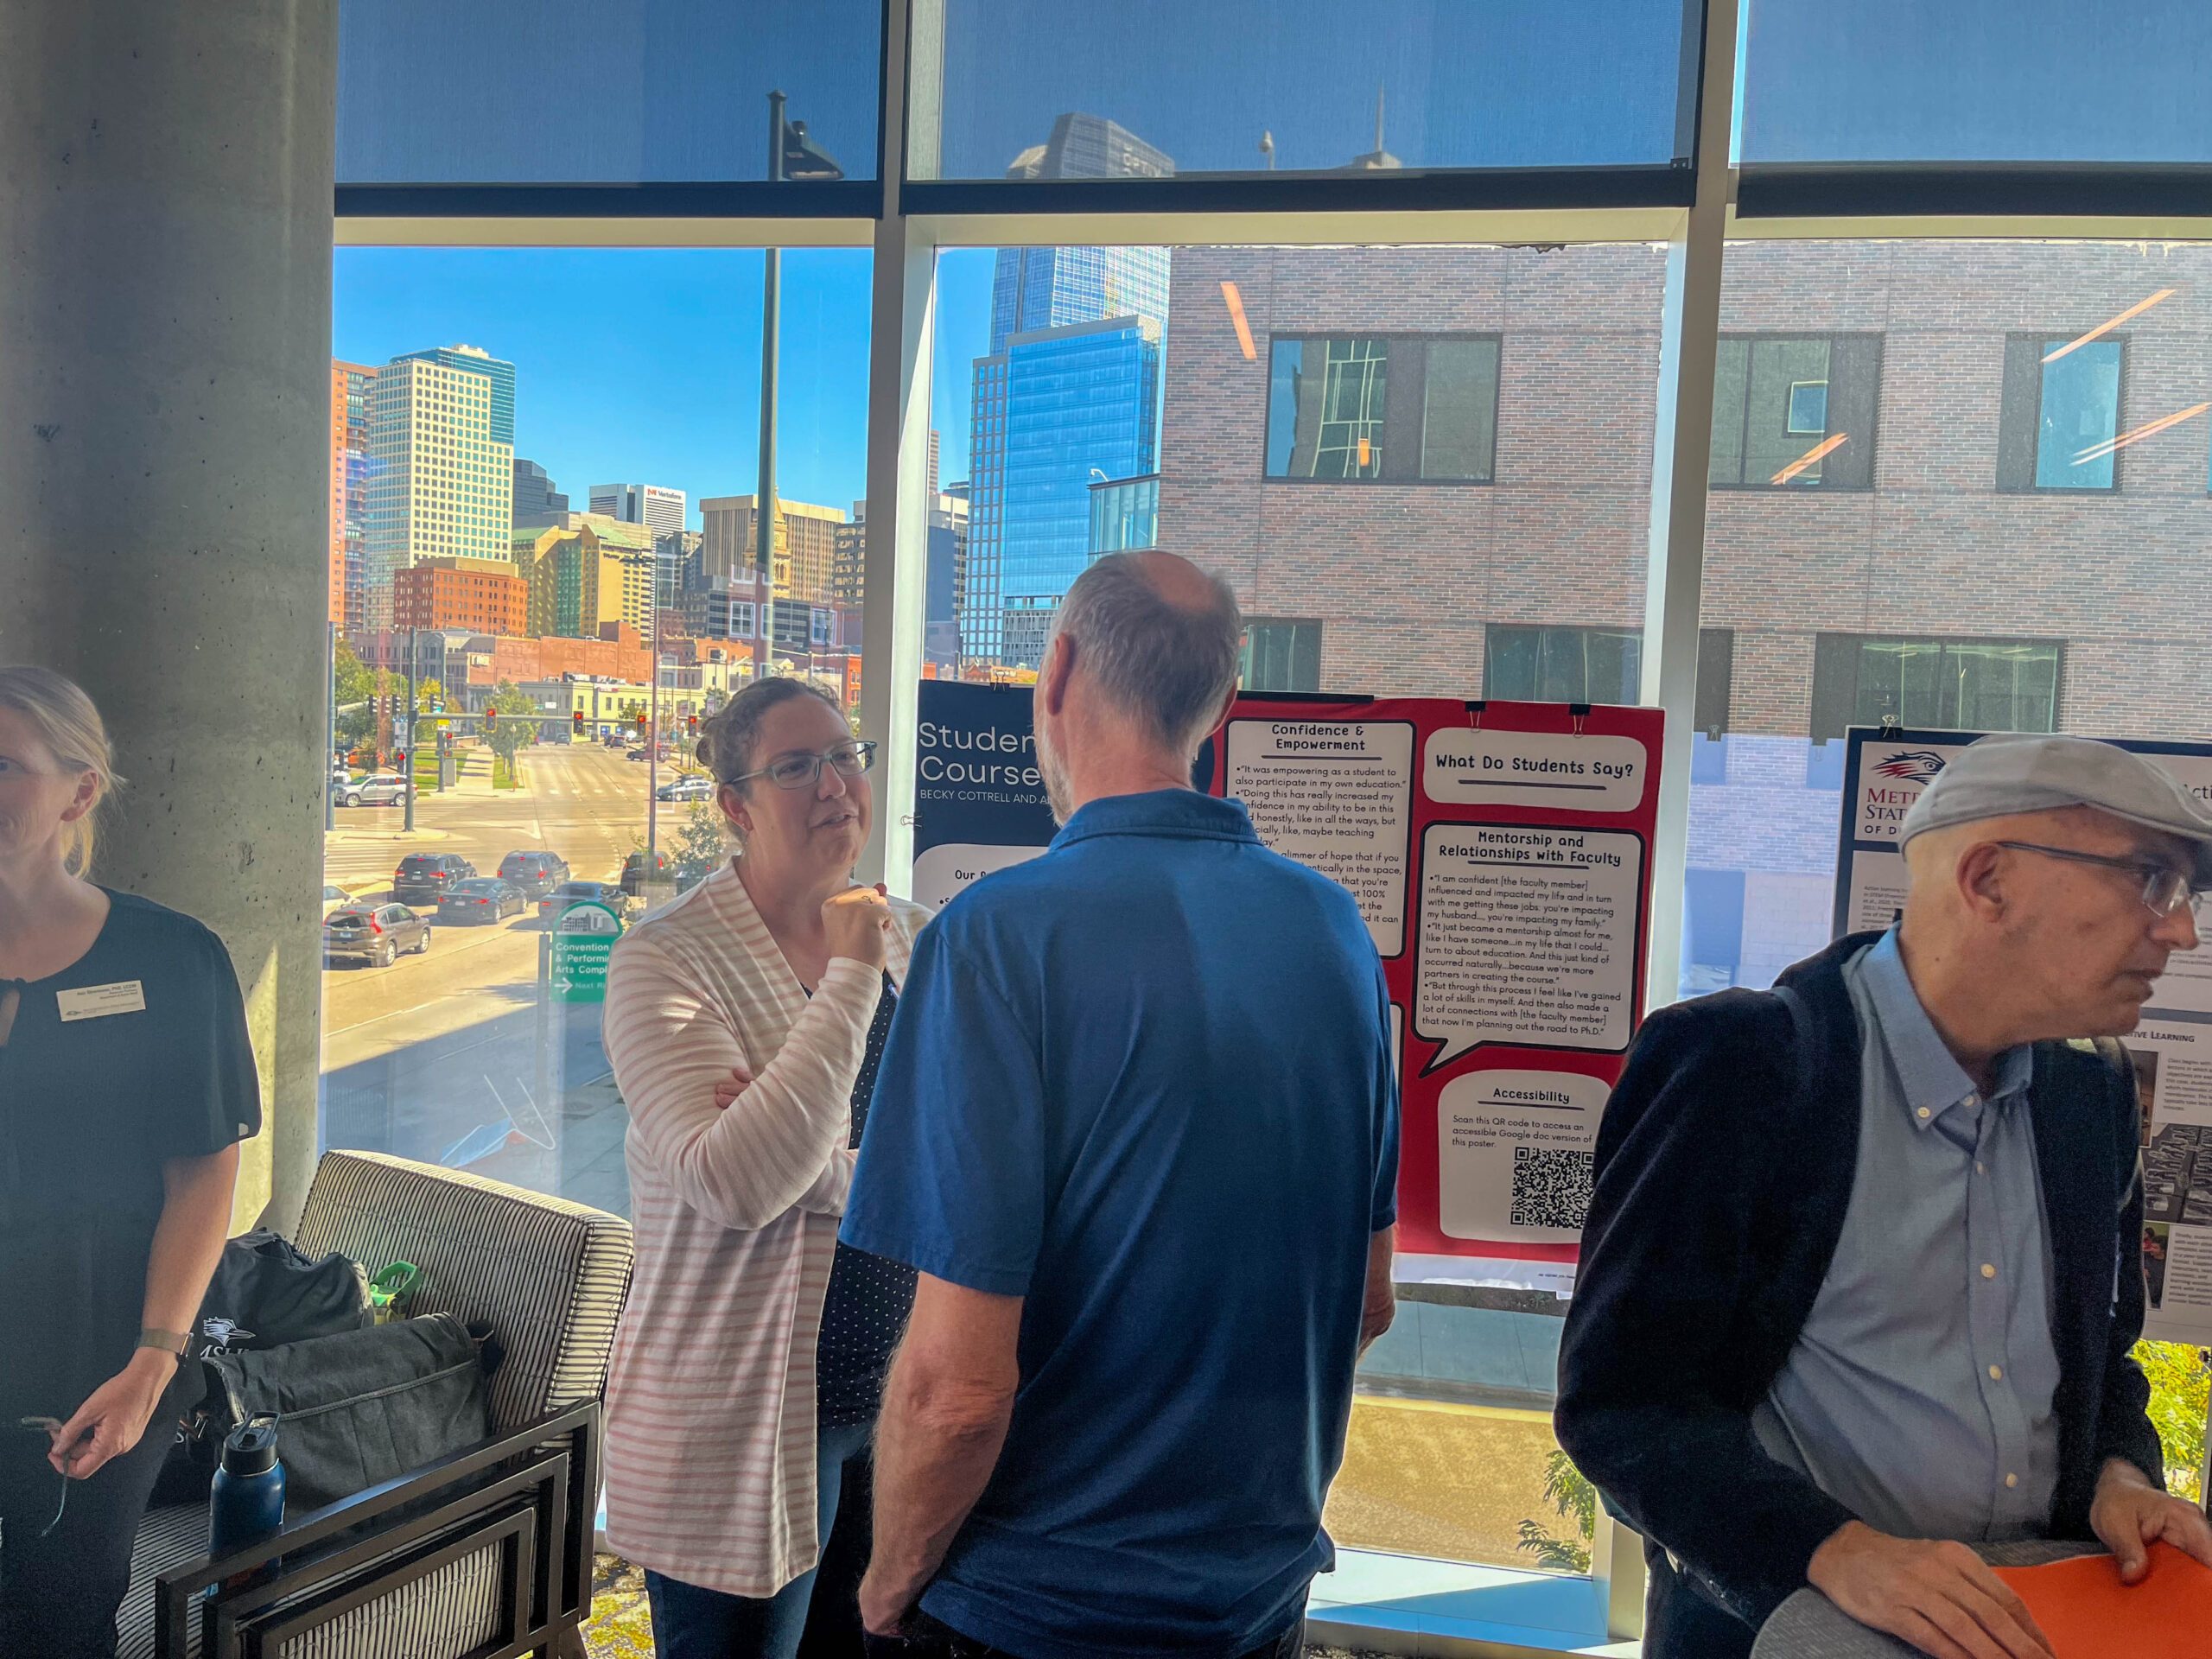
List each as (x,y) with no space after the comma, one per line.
(1910,767)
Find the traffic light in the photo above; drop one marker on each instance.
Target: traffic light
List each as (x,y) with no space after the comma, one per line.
(399,760)
(490,719)
(576,719)
(641,720)
(691,724)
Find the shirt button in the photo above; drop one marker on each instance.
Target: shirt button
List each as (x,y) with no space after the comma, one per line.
(1980,1168)
(1923,1111)
(2011,1480)
(1997,1373)
(1987,1271)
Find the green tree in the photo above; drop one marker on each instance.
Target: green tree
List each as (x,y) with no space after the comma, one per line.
(517,725)
(352,684)
(2180,1381)
(1575,1499)
(427,693)
(698,843)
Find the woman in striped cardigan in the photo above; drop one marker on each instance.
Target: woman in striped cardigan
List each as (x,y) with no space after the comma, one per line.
(744,1020)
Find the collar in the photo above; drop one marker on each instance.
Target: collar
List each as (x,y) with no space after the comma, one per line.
(1178,812)
(1932,1080)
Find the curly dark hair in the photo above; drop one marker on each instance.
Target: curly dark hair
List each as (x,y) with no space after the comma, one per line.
(726,739)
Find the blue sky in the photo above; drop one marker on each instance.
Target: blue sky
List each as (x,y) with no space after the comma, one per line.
(643,365)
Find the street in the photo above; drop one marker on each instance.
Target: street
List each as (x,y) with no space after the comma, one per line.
(449,1057)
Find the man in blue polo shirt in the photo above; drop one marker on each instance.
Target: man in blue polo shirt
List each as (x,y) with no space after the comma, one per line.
(1136,1126)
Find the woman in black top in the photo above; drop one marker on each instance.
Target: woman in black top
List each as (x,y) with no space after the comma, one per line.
(126,1082)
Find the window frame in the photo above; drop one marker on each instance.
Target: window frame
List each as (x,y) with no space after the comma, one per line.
(1939,722)
(1753,339)
(2118,337)
(1247,652)
(1390,340)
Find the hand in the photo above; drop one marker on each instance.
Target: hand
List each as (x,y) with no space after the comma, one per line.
(2129,1513)
(114,1420)
(728,1091)
(1939,1597)
(857,922)
(883,1609)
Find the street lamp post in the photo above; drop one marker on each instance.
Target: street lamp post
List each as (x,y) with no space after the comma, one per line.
(792,157)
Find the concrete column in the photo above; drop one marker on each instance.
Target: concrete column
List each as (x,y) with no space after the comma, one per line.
(165,236)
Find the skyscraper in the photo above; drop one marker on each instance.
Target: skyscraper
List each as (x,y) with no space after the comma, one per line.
(349,479)
(1078,402)
(441,426)
(659,510)
(805,551)
(537,504)
(1036,293)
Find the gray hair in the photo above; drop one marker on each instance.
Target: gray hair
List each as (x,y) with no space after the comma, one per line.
(1169,666)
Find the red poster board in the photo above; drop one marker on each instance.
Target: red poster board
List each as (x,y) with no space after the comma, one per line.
(1501,854)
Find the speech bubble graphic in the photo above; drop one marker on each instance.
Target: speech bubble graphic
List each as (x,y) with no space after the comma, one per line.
(1527,936)
(1464,767)
(1513,1151)
(941,873)
(1338,796)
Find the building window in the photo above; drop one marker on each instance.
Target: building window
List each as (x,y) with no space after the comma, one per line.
(1540,665)
(1410,409)
(1795,412)
(1282,656)
(2059,422)
(1974,685)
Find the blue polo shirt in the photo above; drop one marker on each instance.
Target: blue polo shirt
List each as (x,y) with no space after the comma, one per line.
(1144,1082)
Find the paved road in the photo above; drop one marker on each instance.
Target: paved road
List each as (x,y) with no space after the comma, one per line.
(449,1057)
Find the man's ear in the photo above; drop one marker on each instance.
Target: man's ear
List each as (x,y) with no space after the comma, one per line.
(1980,877)
(1058,670)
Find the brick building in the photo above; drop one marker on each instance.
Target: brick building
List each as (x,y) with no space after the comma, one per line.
(1932,496)
(483,596)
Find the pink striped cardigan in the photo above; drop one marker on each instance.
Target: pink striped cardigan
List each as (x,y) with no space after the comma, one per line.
(710,1454)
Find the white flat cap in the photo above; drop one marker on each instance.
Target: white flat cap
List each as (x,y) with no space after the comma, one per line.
(2010,773)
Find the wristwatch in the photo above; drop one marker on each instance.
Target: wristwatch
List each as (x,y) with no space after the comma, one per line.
(172,1343)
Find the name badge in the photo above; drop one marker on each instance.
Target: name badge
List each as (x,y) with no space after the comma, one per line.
(97,1002)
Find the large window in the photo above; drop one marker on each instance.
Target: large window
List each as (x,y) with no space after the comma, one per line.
(1377,408)
(603,91)
(1033,91)
(2060,422)
(1598,665)
(1981,685)
(1793,411)
(1994,572)
(529,740)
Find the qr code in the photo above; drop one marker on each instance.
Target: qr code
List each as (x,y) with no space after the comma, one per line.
(1550,1188)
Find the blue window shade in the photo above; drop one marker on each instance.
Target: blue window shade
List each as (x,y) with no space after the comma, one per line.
(1004,90)
(1977,80)
(598,91)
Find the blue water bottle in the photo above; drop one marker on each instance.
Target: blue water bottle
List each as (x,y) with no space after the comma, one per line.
(247,1499)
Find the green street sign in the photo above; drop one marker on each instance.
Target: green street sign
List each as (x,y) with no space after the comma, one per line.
(583,940)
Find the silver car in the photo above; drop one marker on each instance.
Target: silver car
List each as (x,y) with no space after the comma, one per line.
(379,789)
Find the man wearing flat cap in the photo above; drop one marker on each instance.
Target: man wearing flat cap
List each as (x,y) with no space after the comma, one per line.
(1863,1267)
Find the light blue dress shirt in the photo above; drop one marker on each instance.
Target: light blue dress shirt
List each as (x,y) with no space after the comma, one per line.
(1919,1393)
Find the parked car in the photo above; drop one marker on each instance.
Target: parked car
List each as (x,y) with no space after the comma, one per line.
(375,933)
(577,892)
(333,898)
(535,874)
(482,898)
(421,878)
(377,789)
(635,871)
(698,787)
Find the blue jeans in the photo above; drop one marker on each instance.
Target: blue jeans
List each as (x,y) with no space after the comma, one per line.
(690,1622)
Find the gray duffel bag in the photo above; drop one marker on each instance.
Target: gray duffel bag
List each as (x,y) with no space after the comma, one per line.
(362,1406)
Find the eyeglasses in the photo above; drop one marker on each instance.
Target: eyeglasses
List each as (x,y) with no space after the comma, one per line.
(47,1426)
(803,771)
(2165,889)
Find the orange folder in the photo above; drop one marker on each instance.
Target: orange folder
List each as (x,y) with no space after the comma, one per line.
(2088,1613)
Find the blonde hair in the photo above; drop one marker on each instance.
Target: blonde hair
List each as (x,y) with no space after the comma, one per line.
(70,726)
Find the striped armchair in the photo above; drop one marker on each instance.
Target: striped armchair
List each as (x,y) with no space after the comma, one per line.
(486,1551)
